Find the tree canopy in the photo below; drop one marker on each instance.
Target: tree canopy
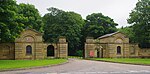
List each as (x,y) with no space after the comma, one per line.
(129,32)
(32,18)
(60,23)
(10,27)
(140,19)
(14,18)
(97,25)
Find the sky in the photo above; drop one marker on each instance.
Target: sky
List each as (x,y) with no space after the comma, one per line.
(116,9)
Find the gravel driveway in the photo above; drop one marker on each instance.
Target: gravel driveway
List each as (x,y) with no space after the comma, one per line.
(76,66)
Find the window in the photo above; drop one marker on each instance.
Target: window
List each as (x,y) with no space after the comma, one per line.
(29,50)
(118,50)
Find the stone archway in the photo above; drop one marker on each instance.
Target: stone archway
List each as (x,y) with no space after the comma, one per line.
(50,51)
(99,51)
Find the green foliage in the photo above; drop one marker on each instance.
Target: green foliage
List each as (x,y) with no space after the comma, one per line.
(129,32)
(13,64)
(31,16)
(60,23)
(97,25)
(79,53)
(14,18)
(140,18)
(9,25)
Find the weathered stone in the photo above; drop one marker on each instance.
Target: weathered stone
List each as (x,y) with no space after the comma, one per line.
(106,46)
(32,38)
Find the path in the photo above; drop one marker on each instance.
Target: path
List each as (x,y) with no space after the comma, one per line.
(76,66)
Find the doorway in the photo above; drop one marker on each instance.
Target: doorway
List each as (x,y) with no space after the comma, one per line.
(50,51)
(100,53)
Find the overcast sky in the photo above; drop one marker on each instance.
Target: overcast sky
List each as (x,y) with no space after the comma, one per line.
(116,9)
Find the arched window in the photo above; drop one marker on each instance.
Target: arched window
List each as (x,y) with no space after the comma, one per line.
(118,50)
(29,50)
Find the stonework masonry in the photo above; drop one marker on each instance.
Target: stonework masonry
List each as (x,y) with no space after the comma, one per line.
(114,45)
(30,46)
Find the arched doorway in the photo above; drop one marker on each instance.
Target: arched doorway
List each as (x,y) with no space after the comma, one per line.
(50,51)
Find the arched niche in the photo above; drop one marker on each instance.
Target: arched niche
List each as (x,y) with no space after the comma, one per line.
(28,50)
(119,40)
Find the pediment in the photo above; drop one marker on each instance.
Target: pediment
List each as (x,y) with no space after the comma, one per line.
(28,35)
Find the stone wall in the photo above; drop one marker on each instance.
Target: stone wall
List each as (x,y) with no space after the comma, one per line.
(7,51)
(144,53)
(109,44)
(134,50)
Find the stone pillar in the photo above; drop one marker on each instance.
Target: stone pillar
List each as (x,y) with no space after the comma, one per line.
(62,48)
(39,50)
(126,50)
(89,45)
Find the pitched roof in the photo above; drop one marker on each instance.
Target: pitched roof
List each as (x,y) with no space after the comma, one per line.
(108,35)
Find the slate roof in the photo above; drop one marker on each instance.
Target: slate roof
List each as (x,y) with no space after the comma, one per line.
(108,35)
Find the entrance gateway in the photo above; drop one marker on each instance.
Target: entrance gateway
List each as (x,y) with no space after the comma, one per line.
(29,45)
(113,45)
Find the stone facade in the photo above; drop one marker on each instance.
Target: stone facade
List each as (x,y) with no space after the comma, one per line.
(113,45)
(7,51)
(30,46)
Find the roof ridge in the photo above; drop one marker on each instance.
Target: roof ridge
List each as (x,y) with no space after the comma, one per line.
(107,35)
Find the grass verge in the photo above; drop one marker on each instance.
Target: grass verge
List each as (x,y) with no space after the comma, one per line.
(15,64)
(75,57)
(141,61)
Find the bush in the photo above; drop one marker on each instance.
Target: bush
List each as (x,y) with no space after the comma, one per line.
(79,53)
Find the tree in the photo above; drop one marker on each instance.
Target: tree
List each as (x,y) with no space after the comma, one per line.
(140,19)
(60,23)
(31,16)
(10,27)
(97,25)
(129,32)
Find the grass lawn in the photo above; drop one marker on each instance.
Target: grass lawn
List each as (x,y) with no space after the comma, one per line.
(145,61)
(12,64)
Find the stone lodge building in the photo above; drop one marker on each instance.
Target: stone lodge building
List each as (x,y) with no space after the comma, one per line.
(30,46)
(112,46)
